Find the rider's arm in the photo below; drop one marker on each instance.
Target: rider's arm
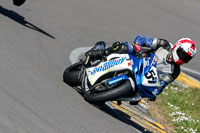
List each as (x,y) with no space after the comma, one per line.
(124,47)
(167,79)
(119,47)
(153,43)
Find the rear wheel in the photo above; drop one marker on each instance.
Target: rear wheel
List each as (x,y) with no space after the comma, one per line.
(70,75)
(111,94)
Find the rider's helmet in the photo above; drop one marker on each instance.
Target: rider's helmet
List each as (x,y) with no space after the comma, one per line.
(183,51)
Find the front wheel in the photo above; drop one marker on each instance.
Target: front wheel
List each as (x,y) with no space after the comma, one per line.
(70,75)
(112,94)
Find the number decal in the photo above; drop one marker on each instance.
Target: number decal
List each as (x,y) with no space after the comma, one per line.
(151,76)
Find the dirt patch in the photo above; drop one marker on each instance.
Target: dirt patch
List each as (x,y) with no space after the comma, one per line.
(156,111)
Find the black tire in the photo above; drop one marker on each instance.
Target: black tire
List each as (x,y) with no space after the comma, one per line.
(111,94)
(70,75)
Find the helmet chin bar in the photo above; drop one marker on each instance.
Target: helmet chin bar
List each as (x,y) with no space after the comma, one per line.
(179,62)
(168,58)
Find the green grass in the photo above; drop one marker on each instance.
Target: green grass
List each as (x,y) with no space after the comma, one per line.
(181,106)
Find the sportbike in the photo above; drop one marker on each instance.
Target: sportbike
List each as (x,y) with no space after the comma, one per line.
(120,77)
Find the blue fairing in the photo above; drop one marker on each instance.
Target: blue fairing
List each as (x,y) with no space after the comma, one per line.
(140,69)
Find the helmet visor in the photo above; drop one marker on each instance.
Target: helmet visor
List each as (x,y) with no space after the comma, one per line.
(185,57)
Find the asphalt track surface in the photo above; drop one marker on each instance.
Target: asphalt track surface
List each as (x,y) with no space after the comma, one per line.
(36,41)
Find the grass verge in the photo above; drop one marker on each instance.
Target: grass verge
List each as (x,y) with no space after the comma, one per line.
(181,109)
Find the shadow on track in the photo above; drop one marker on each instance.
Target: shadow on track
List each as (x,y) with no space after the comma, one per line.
(121,116)
(21,20)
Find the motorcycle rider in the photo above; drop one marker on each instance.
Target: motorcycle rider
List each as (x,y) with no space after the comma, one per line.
(169,57)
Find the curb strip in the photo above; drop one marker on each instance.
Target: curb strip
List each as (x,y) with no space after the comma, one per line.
(188,80)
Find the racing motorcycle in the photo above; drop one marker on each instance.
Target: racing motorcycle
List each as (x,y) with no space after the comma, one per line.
(120,77)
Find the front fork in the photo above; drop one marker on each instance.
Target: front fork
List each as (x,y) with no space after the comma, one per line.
(121,78)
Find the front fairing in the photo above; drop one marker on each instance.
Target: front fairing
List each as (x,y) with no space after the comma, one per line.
(145,72)
(115,62)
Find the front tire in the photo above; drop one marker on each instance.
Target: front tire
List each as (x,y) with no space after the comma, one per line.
(111,94)
(70,75)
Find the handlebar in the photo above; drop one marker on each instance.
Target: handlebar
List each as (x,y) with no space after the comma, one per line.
(146,49)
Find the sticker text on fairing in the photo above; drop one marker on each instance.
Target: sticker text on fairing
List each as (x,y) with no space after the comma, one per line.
(108,65)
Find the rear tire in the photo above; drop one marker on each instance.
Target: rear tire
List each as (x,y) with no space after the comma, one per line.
(70,75)
(111,94)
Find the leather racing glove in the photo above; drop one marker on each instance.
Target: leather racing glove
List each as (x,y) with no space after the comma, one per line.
(137,48)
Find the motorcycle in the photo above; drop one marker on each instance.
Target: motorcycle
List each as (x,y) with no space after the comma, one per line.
(120,77)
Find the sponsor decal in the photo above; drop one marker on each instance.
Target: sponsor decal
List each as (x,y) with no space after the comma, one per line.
(108,65)
(146,63)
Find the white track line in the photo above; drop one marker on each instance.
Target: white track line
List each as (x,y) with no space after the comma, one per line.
(190,71)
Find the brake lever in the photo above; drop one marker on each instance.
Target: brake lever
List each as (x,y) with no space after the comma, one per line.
(87,60)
